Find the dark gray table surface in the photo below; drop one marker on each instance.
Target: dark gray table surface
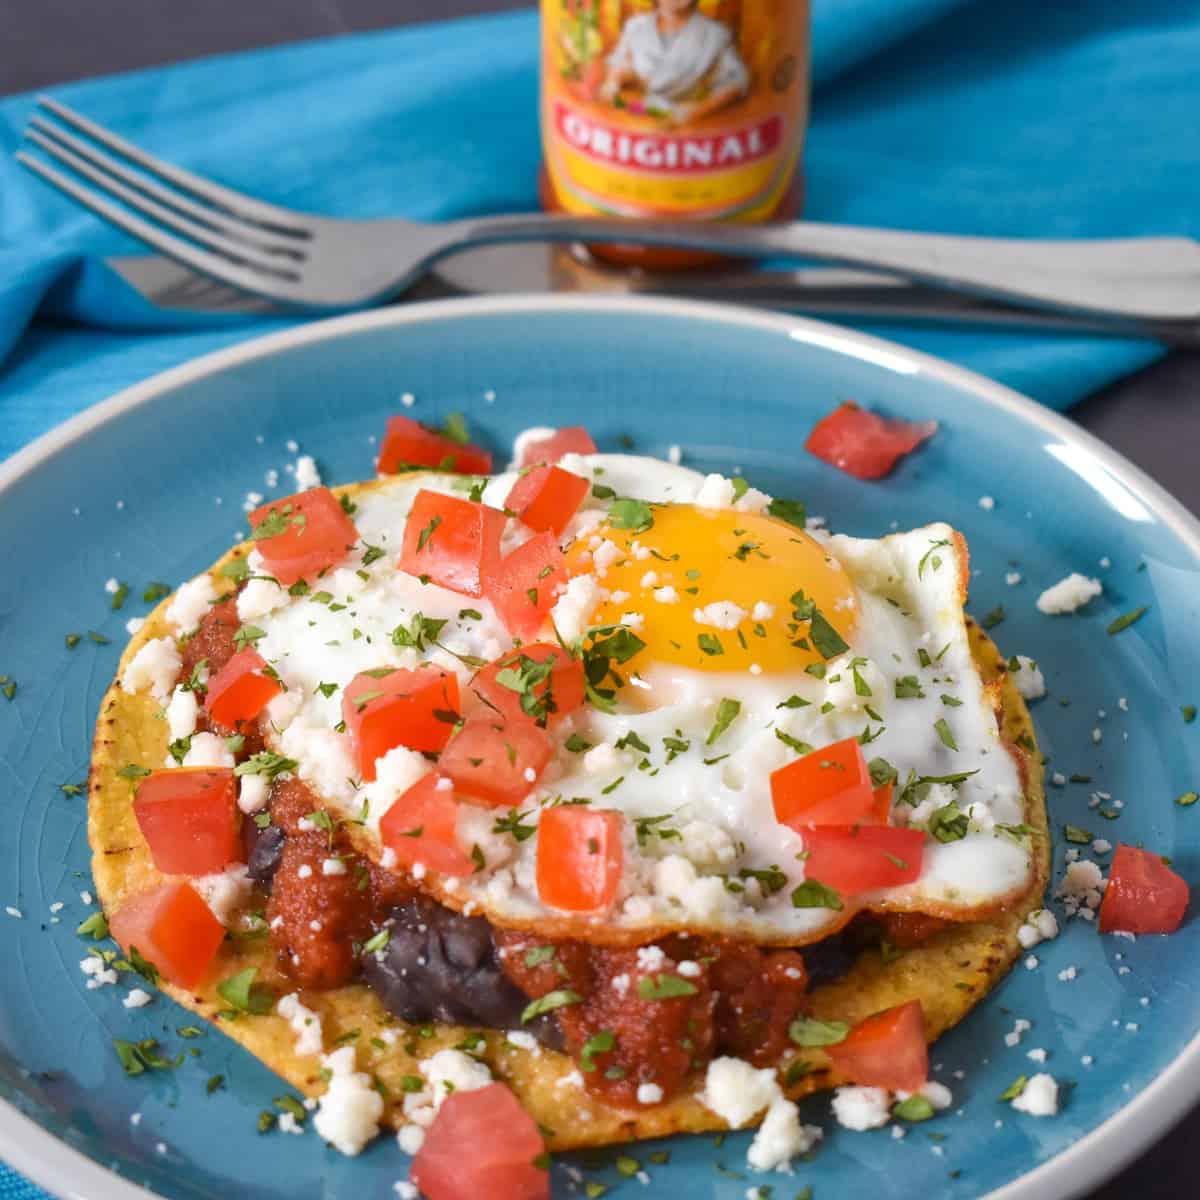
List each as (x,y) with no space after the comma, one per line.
(1152,417)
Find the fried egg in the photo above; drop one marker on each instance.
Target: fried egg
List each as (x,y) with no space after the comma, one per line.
(733,679)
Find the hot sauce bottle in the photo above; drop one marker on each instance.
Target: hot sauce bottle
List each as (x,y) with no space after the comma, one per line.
(692,110)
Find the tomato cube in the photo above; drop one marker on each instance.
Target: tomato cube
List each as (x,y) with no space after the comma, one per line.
(495,762)
(190,820)
(853,859)
(830,786)
(408,443)
(172,928)
(422,827)
(546,498)
(580,857)
(302,535)
(392,707)
(525,585)
(1143,894)
(482,1143)
(540,682)
(572,439)
(887,1050)
(452,542)
(863,444)
(240,690)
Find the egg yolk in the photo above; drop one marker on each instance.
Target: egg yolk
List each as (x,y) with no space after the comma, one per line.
(721,590)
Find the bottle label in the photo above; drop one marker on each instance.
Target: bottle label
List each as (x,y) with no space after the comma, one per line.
(673,108)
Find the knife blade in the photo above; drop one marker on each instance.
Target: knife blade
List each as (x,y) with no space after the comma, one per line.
(505,269)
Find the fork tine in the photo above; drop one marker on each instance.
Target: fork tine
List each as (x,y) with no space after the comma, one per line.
(279,220)
(194,256)
(234,227)
(229,248)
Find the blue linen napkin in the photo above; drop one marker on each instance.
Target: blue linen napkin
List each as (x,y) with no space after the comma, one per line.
(1003,118)
(1014,117)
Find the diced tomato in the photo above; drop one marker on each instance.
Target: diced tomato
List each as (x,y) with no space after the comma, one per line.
(830,786)
(190,820)
(452,542)
(240,690)
(546,498)
(853,859)
(482,1143)
(524,587)
(393,706)
(302,535)
(1143,895)
(172,928)
(422,827)
(408,443)
(580,857)
(494,761)
(550,698)
(887,1050)
(571,439)
(864,444)
(881,806)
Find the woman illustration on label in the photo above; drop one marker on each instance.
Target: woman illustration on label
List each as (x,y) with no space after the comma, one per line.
(686,64)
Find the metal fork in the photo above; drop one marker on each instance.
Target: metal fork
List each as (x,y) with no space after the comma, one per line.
(318,262)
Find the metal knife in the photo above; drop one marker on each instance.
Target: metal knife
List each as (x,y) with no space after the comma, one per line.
(816,291)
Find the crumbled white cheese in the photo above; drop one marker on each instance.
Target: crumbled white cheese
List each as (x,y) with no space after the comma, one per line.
(1081,887)
(715,492)
(1069,594)
(307,475)
(287,1123)
(1039,1096)
(333,866)
(445,1072)
(574,607)
(259,597)
(861,1108)
(674,455)
(349,1111)
(1038,1054)
(208,750)
(649,1093)
(137,998)
(702,897)
(736,1091)
(666,595)
(523,1041)
(651,959)
(305,1023)
(226,892)
(1030,681)
(721,614)
(112,586)
(154,666)
(181,712)
(97,972)
(987,503)
(134,625)
(410,1138)
(1040,926)
(190,603)
(762,611)
(781,1137)
(253,793)
(842,689)
(1012,578)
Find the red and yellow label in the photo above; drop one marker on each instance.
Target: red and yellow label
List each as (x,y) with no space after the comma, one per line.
(673,108)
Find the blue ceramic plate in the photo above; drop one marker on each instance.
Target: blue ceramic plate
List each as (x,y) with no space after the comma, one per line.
(150,486)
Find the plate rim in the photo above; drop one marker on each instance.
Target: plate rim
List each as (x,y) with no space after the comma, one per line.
(63,1170)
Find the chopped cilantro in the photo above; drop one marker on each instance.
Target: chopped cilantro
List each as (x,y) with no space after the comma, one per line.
(560,998)
(664,987)
(1126,619)
(727,713)
(791,511)
(814,894)
(808,1031)
(245,995)
(634,515)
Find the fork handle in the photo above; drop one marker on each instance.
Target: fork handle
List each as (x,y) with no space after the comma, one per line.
(1149,278)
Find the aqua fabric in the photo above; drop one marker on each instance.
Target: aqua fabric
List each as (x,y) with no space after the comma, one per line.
(1015,117)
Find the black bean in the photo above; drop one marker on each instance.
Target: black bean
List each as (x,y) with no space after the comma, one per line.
(441,966)
(266,855)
